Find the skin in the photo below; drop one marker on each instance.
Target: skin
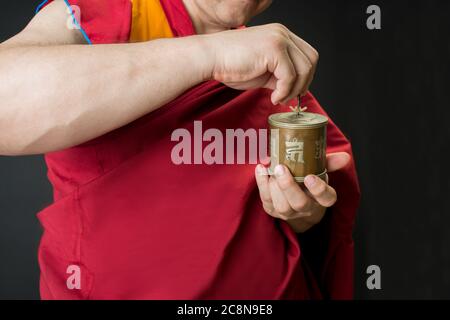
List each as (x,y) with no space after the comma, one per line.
(39,114)
(283,198)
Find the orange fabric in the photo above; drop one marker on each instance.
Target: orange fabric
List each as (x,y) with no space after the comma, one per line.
(149,21)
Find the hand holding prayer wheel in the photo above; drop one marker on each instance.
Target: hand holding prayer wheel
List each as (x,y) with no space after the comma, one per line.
(282,197)
(268,56)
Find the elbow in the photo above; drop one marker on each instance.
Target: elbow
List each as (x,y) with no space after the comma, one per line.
(16,142)
(20,147)
(10,147)
(21,136)
(12,142)
(21,142)
(24,132)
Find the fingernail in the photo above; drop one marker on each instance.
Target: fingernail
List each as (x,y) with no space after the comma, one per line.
(279,170)
(261,170)
(310,181)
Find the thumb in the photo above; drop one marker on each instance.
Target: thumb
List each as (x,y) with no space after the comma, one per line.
(338,160)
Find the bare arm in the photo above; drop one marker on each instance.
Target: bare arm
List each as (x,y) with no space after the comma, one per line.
(56,95)
(57,92)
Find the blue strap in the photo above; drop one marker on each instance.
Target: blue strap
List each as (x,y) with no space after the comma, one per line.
(39,7)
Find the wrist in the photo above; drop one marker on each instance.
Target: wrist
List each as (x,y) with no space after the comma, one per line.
(299,225)
(200,56)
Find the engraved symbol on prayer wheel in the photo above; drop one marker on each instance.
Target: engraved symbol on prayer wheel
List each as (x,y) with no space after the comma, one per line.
(294,150)
(319,148)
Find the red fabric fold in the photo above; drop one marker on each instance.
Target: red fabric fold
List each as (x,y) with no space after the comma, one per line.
(336,257)
(178,18)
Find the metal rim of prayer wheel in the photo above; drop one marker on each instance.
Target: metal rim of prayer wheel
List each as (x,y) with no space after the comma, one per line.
(302,120)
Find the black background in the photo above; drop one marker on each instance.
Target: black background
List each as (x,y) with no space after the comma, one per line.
(387,89)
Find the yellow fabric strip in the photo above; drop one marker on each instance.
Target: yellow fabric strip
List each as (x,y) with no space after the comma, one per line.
(149,21)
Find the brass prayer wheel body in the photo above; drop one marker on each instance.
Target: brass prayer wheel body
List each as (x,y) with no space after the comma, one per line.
(298,140)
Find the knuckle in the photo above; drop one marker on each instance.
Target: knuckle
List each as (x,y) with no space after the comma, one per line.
(286,211)
(277,36)
(299,206)
(278,27)
(264,197)
(276,42)
(283,210)
(320,190)
(285,183)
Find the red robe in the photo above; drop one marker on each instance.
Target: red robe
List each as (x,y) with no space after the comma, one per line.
(140,227)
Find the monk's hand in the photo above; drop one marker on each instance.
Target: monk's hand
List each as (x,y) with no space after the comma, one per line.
(267,56)
(283,198)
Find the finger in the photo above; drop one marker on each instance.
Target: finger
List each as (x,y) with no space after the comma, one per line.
(305,47)
(285,73)
(281,205)
(304,72)
(311,54)
(337,161)
(321,191)
(271,83)
(262,180)
(298,200)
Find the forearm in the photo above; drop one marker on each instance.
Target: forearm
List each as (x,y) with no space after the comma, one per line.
(59,96)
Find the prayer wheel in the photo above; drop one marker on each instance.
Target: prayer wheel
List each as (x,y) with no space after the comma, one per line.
(298,141)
